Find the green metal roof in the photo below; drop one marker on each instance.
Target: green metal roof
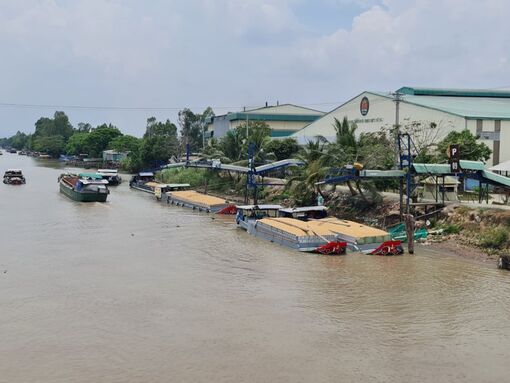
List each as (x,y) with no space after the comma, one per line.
(473,108)
(502,180)
(487,104)
(445,168)
(282,133)
(432,168)
(272,117)
(454,92)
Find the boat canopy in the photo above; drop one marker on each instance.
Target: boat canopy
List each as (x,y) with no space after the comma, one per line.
(94,176)
(304,209)
(146,174)
(94,182)
(13,171)
(107,171)
(258,207)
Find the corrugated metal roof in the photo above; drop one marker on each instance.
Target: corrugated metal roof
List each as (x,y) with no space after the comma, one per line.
(449,92)
(468,107)
(502,180)
(445,168)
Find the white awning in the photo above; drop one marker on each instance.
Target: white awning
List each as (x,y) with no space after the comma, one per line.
(502,167)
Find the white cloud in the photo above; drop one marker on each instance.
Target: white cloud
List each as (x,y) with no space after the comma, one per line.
(238,52)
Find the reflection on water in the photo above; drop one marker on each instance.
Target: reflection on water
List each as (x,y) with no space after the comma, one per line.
(135,291)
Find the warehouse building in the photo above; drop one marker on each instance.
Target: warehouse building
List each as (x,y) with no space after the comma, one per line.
(283,120)
(485,113)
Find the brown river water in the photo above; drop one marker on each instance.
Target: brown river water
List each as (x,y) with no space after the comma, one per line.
(135,291)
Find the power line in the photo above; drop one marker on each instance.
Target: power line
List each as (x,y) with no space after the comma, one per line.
(136,108)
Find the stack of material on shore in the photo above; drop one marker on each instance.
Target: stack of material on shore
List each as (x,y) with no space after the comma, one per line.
(194,198)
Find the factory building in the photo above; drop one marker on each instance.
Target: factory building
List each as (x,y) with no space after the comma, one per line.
(486,113)
(283,120)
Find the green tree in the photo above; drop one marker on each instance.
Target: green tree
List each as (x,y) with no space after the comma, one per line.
(52,145)
(236,142)
(99,139)
(302,184)
(193,126)
(159,143)
(59,125)
(77,144)
(283,149)
(468,147)
(125,143)
(19,140)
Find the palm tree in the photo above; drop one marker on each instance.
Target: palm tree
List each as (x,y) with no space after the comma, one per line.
(302,185)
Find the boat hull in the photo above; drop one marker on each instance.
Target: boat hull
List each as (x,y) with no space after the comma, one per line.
(141,187)
(311,244)
(219,209)
(82,197)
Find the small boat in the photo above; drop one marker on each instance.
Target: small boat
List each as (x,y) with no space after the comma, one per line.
(199,201)
(14,151)
(84,187)
(264,221)
(44,156)
(140,180)
(22,153)
(111,175)
(14,177)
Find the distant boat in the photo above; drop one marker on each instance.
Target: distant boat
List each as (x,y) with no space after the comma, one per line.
(140,180)
(46,156)
(14,177)
(12,151)
(111,175)
(199,201)
(22,153)
(83,187)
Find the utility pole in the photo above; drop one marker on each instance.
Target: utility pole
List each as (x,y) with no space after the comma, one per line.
(396,99)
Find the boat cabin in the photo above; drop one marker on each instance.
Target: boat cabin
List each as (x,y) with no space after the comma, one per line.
(304,213)
(111,175)
(13,173)
(247,213)
(161,189)
(90,176)
(91,185)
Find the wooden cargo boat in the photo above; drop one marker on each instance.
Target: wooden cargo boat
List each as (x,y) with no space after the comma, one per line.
(140,180)
(111,175)
(14,177)
(199,201)
(309,229)
(359,237)
(263,221)
(83,189)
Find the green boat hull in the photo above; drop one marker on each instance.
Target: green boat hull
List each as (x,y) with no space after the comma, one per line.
(82,197)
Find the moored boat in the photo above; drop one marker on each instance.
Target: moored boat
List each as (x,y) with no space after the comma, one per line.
(359,237)
(111,175)
(263,221)
(199,201)
(83,187)
(140,180)
(309,229)
(14,177)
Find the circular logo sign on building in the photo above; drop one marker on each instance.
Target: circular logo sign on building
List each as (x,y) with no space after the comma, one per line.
(363,106)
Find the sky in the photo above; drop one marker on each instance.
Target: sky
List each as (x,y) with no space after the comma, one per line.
(122,61)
